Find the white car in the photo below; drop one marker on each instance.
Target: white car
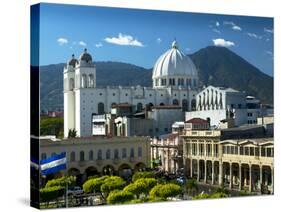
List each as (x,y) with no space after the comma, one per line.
(75,190)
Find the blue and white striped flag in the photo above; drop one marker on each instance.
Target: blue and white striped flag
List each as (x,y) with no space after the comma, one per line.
(53,164)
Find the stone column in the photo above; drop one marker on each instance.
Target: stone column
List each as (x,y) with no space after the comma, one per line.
(213,152)
(198,170)
(272,178)
(250,178)
(261,177)
(191,168)
(205,148)
(240,177)
(213,172)
(230,175)
(205,171)
(220,173)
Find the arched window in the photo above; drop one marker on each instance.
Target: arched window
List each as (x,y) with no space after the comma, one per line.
(107,155)
(193,104)
(184,105)
(84,81)
(221,106)
(124,153)
(116,154)
(91,155)
(100,108)
(100,154)
(175,102)
(139,152)
(91,81)
(132,153)
(72,156)
(71,84)
(139,107)
(162,104)
(82,156)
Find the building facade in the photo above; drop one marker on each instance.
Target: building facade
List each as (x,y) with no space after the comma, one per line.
(100,155)
(242,164)
(175,81)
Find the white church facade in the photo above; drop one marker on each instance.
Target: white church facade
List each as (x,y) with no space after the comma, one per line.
(175,82)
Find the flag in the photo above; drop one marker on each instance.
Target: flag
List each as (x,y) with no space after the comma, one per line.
(53,164)
(34,163)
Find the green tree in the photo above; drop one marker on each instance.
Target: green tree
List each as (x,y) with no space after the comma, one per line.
(201,196)
(94,184)
(192,187)
(50,193)
(165,191)
(112,183)
(51,126)
(119,197)
(62,181)
(72,133)
(139,175)
(218,195)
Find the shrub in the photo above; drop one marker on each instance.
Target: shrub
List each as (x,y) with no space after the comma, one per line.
(62,181)
(218,195)
(201,196)
(50,193)
(112,183)
(165,191)
(139,175)
(141,186)
(94,184)
(119,197)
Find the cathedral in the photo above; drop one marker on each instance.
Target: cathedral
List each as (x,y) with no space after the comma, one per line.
(174,77)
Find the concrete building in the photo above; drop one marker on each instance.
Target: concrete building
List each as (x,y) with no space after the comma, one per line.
(175,81)
(125,121)
(100,155)
(240,158)
(167,150)
(217,104)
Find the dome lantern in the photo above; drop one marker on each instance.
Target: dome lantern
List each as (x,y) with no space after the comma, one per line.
(85,56)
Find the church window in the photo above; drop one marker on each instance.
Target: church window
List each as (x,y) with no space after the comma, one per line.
(84,81)
(116,154)
(184,105)
(107,155)
(99,154)
(124,153)
(71,84)
(91,155)
(193,105)
(100,108)
(72,156)
(100,94)
(175,102)
(82,156)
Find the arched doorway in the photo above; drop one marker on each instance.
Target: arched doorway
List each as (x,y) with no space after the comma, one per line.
(193,104)
(108,170)
(91,171)
(184,105)
(125,171)
(139,167)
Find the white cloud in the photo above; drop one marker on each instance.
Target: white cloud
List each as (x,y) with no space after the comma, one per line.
(229,23)
(217,31)
(98,45)
(253,35)
(223,43)
(236,28)
(82,43)
(158,40)
(268,30)
(269,53)
(62,41)
(217,24)
(124,40)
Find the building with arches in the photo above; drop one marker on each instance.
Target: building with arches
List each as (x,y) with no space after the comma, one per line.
(175,82)
(89,156)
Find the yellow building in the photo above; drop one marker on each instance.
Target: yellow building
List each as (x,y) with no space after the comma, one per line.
(216,157)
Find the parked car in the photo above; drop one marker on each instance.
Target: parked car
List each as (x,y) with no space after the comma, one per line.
(75,191)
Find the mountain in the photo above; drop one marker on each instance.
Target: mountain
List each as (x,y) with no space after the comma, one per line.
(217,66)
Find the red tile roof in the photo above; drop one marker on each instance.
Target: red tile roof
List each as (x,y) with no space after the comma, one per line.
(197,121)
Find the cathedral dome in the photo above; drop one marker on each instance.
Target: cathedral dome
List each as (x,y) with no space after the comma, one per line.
(72,61)
(85,56)
(174,63)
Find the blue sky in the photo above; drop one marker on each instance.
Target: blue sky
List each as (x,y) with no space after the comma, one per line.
(141,36)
